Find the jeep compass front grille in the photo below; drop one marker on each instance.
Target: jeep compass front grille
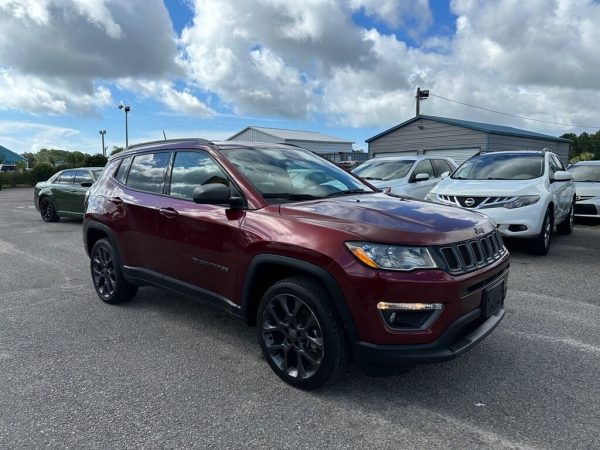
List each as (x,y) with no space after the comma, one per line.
(466,256)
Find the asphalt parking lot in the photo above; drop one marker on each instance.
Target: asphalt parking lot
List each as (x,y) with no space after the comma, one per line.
(163,371)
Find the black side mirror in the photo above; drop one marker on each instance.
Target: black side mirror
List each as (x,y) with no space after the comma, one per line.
(216,194)
(86,184)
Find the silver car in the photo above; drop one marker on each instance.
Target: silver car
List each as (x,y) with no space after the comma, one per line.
(409,176)
(587,186)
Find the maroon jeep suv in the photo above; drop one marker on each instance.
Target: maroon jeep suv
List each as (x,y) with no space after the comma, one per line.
(327,267)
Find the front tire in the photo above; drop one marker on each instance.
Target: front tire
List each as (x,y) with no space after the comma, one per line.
(300,335)
(541,244)
(566,226)
(47,210)
(107,274)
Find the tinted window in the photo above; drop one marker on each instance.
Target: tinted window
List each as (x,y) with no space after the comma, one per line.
(440,166)
(67,177)
(147,172)
(83,176)
(585,173)
(424,166)
(193,169)
(122,172)
(384,170)
(501,166)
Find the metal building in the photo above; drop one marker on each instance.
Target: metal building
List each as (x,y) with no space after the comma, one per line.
(330,147)
(459,139)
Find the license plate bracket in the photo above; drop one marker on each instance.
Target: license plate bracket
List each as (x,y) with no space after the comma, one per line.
(493,299)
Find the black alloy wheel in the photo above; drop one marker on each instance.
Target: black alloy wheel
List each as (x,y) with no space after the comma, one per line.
(300,333)
(107,277)
(541,244)
(292,336)
(47,210)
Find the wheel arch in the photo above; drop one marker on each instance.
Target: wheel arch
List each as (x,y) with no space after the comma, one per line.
(264,270)
(93,232)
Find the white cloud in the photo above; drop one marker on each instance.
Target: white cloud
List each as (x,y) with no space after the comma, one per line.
(182,102)
(21,136)
(399,13)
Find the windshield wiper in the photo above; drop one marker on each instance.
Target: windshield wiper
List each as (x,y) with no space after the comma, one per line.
(290,196)
(350,192)
(372,178)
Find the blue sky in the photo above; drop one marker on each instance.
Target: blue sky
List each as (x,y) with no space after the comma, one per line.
(346,68)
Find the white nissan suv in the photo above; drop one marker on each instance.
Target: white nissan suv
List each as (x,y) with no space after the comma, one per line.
(526,193)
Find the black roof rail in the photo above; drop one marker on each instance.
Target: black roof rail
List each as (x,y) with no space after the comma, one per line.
(166,141)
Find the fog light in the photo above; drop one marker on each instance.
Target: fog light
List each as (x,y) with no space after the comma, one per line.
(517,228)
(409,316)
(409,306)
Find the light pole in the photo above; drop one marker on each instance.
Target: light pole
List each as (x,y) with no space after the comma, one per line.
(127,109)
(102,133)
(421,95)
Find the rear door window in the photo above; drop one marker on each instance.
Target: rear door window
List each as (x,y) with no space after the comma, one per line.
(83,176)
(193,169)
(147,172)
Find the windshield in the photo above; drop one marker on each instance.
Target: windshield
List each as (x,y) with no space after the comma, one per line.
(384,170)
(585,173)
(292,174)
(501,166)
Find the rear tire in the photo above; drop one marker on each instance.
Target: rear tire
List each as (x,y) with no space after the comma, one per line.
(300,335)
(47,210)
(566,226)
(107,274)
(541,244)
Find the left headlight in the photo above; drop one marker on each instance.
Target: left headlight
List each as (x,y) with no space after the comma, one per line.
(392,257)
(524,200)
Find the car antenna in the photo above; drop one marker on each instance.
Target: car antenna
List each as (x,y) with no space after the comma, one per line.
(164,135)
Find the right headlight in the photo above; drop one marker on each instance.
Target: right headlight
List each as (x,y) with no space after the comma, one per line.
(391,257)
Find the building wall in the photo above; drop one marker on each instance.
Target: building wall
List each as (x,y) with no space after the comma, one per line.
(503,143)
(323,147)
(432,136)
(252,135)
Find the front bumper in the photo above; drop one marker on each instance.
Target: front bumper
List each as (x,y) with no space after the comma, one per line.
(588,208)
(464,334)
(518,222)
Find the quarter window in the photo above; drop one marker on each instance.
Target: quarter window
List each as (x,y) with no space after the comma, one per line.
(193,169)
(121,174)
(148,171)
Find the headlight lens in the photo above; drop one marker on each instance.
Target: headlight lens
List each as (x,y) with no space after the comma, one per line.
(392,257)
(524,200)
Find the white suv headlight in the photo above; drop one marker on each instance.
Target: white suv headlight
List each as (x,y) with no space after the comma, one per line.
(524,200)
(392,257)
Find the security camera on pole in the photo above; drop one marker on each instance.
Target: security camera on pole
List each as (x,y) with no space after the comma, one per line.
(127,109)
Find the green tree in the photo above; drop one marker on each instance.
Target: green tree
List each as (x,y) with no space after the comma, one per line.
(96,160)
(31,159)
(43,171)
(116,150)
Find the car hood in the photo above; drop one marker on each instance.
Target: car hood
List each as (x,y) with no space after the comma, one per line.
(390,219)
(499,188)
(587,189)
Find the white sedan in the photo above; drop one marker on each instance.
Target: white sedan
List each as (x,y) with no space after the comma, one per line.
(587,184)
(526,193)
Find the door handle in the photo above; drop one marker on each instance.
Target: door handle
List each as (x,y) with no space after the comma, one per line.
(168,212)
(115,200)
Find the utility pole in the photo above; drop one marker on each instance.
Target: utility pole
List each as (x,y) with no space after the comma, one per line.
(421,95)
(102,133)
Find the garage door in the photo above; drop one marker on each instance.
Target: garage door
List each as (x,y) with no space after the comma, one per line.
(459,155)
(383,155)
